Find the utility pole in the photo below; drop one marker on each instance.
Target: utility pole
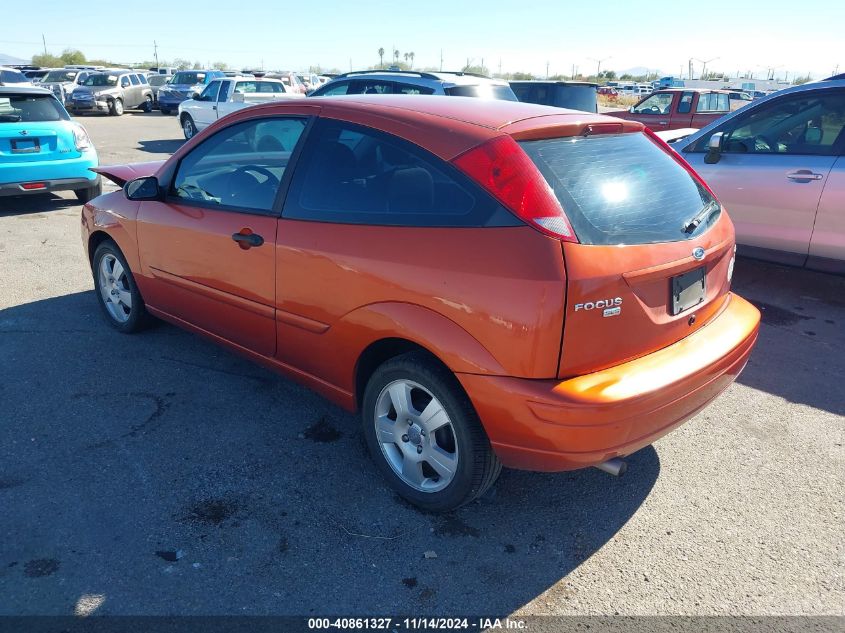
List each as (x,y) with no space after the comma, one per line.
(441,60)
(44,40)
(155,53)
(500,67)
(572,76)
(598,64)
(547,70)
(689,71)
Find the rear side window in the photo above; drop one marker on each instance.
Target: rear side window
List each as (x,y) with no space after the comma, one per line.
(713,102)
(25,108)
(12,77)
(484,91)
(622,189)
(685,104)
(411,89)
(336,88)
(356,175)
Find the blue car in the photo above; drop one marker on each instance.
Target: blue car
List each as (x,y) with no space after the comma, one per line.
(41,149)
(183,85)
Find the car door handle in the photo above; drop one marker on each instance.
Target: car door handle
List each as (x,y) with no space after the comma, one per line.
(213,107)
(247,240)
(804,174)
(663,123)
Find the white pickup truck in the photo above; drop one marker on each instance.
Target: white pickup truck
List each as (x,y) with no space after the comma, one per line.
(226,95)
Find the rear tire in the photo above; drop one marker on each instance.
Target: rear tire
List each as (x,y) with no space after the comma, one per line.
(116,107)
(438,461)
(116,291)
(148,104)
(165,111)
(89,193)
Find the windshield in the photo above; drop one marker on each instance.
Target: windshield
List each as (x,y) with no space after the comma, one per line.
(158,80)
(25,108)
(484,91)
(101,80)
(188,78)
(60,75)
(622,189)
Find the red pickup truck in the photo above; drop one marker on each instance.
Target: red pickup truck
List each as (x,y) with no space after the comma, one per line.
(675,108)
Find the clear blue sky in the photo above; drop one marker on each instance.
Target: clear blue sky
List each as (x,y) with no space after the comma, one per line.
(795,38)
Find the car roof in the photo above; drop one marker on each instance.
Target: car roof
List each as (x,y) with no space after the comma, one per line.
(495,113)
(724,90)
(553,81)
(25,90)
(459,78)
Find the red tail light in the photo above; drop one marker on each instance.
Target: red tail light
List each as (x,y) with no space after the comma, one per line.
(503,169)
(32,186)
(678,159)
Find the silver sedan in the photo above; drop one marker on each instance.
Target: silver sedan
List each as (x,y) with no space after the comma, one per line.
(778,166)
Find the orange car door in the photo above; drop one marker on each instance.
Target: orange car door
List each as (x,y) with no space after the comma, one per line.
(209,246)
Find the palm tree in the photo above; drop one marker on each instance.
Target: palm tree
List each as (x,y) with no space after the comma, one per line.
(381,57)
(396,55)
(411,55)
(406,57)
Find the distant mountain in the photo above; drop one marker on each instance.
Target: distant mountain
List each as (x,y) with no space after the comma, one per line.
(640,70)
(8,60)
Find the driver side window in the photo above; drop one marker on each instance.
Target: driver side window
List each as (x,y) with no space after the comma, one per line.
(210,92)
(798,124)
(240,168)
(660,103)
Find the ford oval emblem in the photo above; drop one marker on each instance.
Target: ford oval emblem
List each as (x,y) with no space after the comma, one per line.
(698,253)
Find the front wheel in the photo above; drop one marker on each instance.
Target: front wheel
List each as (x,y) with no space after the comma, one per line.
(164,111)
(116,291)
(425,436)
(116,107)
(189,128)
(148,104)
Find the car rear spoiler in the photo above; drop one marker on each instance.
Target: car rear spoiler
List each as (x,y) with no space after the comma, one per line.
(121,174)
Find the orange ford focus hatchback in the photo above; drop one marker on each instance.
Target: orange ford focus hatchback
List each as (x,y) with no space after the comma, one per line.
(496,284)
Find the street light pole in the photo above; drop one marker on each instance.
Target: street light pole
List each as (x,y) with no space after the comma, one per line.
(704,63)
(598,64)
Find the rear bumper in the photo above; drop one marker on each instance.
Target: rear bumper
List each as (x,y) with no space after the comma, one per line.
(58,174)
(170,101)
(552,425)
(62,184)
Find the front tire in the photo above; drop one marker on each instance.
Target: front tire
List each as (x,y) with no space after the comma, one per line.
(189,128)
(148,104)
(116,291)
(89,193)
(116,107)
(424,434)
(165,111)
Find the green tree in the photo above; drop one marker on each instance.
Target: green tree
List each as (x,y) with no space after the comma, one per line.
(72,56)
(381,57)
(396,55)
(46,60)
(220,66)
(626,77)
(796,82)
(521,76)
(411,55)
(475,68)
(610,75)
(181,64)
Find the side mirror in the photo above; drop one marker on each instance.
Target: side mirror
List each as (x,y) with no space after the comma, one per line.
(238,97)
(714,149)
(145,188)
(631,109)
(194,95)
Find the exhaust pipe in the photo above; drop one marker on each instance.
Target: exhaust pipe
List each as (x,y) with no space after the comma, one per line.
(615,467)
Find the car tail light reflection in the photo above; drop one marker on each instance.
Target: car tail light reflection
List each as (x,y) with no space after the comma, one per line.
(32,186)
(503,169)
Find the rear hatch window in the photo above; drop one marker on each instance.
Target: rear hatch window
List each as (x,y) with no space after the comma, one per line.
(623,189)
(483,91)
(28,108)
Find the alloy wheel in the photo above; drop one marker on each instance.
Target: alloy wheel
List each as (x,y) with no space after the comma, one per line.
(416,436)
(114,288)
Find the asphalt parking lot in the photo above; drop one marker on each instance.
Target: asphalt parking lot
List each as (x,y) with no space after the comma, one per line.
(160,474)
